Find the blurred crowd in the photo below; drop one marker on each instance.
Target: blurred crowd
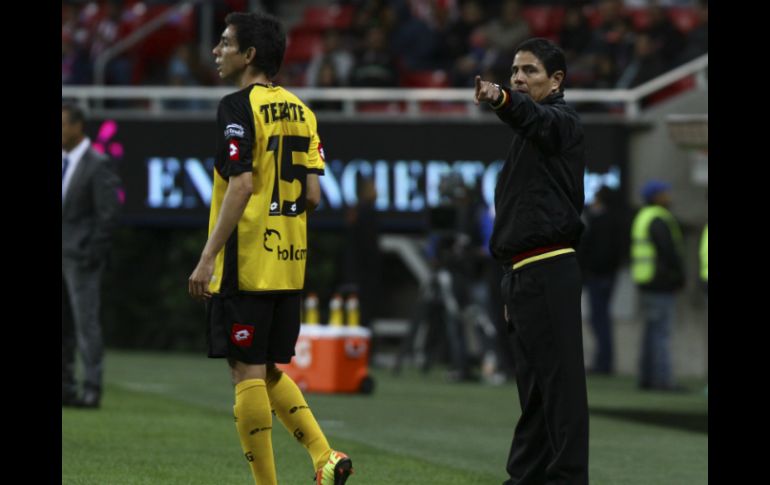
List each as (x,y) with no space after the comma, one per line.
(388,43)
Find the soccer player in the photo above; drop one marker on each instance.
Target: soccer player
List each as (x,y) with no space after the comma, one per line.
(251,271)
(538,201)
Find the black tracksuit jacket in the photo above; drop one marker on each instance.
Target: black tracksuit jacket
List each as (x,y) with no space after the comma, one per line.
(539,194)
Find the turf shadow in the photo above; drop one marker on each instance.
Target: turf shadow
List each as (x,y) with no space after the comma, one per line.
(696,422)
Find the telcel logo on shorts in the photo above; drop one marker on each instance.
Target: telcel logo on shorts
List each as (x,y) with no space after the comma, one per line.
(291,254)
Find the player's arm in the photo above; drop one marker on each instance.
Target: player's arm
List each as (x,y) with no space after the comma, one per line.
(316,162)
(546,126)
(234,116)
(237,195)
(313,192)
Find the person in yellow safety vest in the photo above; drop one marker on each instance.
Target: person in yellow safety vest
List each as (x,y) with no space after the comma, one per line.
(704,258)
(657,268)
(704,271)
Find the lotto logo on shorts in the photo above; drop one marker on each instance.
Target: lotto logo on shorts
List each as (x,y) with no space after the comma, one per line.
(242,335)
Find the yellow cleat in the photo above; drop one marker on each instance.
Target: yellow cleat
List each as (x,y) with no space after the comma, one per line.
(336,470)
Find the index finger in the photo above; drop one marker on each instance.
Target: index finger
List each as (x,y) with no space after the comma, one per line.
(477,80)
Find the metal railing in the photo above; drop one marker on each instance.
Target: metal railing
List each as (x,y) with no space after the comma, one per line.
(630,99)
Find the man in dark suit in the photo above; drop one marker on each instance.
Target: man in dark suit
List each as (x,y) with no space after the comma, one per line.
(90,207)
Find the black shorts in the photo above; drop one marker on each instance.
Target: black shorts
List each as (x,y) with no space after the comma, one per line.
(253,329)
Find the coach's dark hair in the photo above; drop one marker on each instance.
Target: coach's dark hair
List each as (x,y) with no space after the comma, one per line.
(76,115)
(263,32)
(549,54)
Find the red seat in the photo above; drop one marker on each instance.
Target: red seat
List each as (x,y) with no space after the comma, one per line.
(678,87)
(302,45)
(593,15)
(425,79)
(539,20)
(544,21)
(91,15)
(381,107)
(640,18)
(557,20)
(443,107)
(237,5)
(163,42)
(684,18)
(320,18)
(159,46)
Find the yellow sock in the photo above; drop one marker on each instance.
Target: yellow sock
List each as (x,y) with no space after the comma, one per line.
(254,423)
(292,410)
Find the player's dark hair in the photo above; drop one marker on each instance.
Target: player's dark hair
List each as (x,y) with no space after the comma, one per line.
(548,53)
(263,32)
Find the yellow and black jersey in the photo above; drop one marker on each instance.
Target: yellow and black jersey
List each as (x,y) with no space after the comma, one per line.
(268,131)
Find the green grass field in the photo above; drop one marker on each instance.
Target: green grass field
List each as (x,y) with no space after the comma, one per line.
(167,419)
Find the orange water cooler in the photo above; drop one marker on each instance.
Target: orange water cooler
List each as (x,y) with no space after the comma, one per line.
(331,359)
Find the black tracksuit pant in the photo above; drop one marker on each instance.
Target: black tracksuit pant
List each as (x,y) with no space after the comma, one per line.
(550,444)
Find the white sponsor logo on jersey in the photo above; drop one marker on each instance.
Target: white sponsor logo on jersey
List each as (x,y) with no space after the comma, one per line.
(234,130)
